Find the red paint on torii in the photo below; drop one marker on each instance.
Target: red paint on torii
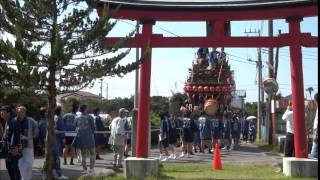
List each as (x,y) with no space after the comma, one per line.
(158,41)
(294,39)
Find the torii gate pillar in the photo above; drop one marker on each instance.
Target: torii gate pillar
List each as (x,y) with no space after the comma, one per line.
(144,89)
(300,144)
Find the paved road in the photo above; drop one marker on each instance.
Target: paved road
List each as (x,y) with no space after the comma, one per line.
(246,153)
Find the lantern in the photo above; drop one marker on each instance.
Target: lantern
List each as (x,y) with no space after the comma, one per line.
(206,89)
(200,89)
(226,88)
(223,89)
(189,89)
(212,89)
(194,89)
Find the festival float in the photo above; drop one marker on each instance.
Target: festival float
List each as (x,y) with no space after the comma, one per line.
(209,89)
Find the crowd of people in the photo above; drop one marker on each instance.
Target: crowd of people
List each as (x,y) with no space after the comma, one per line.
(74,135)
(199,132)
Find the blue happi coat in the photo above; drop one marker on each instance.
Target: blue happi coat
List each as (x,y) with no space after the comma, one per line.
(85,132)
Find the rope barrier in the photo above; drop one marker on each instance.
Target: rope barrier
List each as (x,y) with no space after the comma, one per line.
(74,133)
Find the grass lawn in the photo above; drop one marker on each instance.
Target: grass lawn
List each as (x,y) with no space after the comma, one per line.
(204,171)
(270,149)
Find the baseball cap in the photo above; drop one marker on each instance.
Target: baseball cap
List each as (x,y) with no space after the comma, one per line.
(6,108)
(121,110)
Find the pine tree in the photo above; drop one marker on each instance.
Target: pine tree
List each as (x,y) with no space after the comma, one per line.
(57,46)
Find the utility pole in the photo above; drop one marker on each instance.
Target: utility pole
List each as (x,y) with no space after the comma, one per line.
(260,121)
(101,81)
(107,91)
(260,91)
(271,102)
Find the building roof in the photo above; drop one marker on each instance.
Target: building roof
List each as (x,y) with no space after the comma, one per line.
(80,94)
(209,4)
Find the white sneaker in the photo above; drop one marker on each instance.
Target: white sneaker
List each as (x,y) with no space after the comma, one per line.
(165,158)
(62,177)
(182,155)
(171,156)
(209,67)
(85,171)
(224,148)
(174,156)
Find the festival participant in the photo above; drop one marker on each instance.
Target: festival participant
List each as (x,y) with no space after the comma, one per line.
(85,138)
(172,137)
(222,57)
(11,143)
(226,130)
(213,58)
(27,128)
(117,138)
(70,125)
(205,132)
(164,136)
(128,141)
(196,135)
(59,141)
(252,130)
(188,128)
(99,138)
(202,55)
(245,130)
(43,124)
(289,143)
(216,130)
(235,131)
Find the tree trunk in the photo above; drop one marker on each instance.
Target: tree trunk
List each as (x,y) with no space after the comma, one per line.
(52,92)
(50,131)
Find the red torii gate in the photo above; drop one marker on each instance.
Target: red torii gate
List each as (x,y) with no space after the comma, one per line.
(218,16)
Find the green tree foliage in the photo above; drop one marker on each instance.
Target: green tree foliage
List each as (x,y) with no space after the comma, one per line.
(159,104)
(252,108)
(56,46)
(176,101)
(29,99)
(112,106)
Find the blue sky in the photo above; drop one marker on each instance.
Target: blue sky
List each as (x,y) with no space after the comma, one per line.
(170,66)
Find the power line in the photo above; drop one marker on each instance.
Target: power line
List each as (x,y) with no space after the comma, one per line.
(245,62)
(167,31)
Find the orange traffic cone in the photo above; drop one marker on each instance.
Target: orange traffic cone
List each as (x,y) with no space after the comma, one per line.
(216,163)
